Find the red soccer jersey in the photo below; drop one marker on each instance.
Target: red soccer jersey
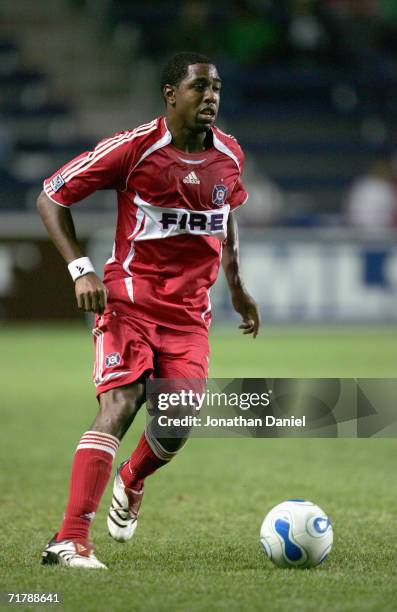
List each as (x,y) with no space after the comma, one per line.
(172,218)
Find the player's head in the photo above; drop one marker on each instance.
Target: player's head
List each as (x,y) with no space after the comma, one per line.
(191,87)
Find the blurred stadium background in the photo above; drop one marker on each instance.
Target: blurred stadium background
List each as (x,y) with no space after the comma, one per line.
(310,91)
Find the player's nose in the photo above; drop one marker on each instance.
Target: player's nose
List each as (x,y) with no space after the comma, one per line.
(210,96)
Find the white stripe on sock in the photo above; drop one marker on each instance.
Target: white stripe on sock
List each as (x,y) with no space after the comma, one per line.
(101,447)
(157,448)
(92,438)
(101,433)
(100,441)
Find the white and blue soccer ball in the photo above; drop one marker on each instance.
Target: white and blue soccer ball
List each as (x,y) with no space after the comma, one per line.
(296,533)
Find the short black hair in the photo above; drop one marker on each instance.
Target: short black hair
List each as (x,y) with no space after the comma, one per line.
(177,66)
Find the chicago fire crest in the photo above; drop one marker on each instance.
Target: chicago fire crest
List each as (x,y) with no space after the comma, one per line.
(219,194)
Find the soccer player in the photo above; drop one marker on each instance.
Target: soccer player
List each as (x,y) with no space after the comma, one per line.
(178,179)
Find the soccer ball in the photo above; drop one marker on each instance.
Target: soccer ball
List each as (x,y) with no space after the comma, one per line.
(296,533)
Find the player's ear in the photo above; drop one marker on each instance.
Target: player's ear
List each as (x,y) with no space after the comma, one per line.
(169,94)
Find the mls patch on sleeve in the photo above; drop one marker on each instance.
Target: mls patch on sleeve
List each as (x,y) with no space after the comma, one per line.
(57,182)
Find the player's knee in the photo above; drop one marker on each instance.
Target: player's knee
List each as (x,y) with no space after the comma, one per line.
(118,408)
(173,445)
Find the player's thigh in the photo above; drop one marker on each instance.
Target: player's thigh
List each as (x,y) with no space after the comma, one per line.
(182,355)
(123,351)
(183,361)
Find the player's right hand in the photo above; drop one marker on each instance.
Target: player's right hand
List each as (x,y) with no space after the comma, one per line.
(91,293)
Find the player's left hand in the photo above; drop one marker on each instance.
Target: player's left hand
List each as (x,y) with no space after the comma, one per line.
(246,306)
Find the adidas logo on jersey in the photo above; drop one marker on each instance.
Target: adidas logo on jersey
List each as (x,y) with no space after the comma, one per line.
(192,178)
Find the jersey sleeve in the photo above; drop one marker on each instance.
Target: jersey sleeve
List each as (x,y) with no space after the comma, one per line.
(105,167)
(239,194)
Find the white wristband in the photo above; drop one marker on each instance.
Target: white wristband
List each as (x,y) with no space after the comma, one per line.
(79,267)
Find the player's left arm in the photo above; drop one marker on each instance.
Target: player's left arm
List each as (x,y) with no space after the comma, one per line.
(242,301)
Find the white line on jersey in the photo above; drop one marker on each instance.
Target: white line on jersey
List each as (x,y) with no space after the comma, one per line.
(102,149)
(192,161)
(105,143)
(97,154)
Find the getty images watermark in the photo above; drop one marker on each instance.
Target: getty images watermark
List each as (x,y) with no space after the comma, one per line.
(262,408)
(215,400)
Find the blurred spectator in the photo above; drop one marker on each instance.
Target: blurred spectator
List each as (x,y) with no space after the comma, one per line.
(372,199)
(344,9)
(358,30)
(388,10)
(308,38)
(249,37)
(192,29)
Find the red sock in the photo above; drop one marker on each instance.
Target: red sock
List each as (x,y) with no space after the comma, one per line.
(144,461)
(92,465)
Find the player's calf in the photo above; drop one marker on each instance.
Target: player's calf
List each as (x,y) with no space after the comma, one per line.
(148,457)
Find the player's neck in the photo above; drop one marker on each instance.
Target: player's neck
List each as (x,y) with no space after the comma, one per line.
(187,141)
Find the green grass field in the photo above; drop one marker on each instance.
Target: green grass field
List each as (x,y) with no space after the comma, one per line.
(197,545)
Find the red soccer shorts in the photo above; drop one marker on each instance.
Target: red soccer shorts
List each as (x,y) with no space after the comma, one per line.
(125,348)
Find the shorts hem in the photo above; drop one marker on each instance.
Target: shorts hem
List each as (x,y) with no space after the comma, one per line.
(122,381)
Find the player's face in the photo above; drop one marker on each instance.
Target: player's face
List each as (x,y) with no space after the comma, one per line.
(197,97)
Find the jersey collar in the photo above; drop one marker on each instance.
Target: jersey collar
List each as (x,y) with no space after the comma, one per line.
(218,144)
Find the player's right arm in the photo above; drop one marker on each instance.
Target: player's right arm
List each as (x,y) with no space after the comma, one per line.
(90,290)
(105,167)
